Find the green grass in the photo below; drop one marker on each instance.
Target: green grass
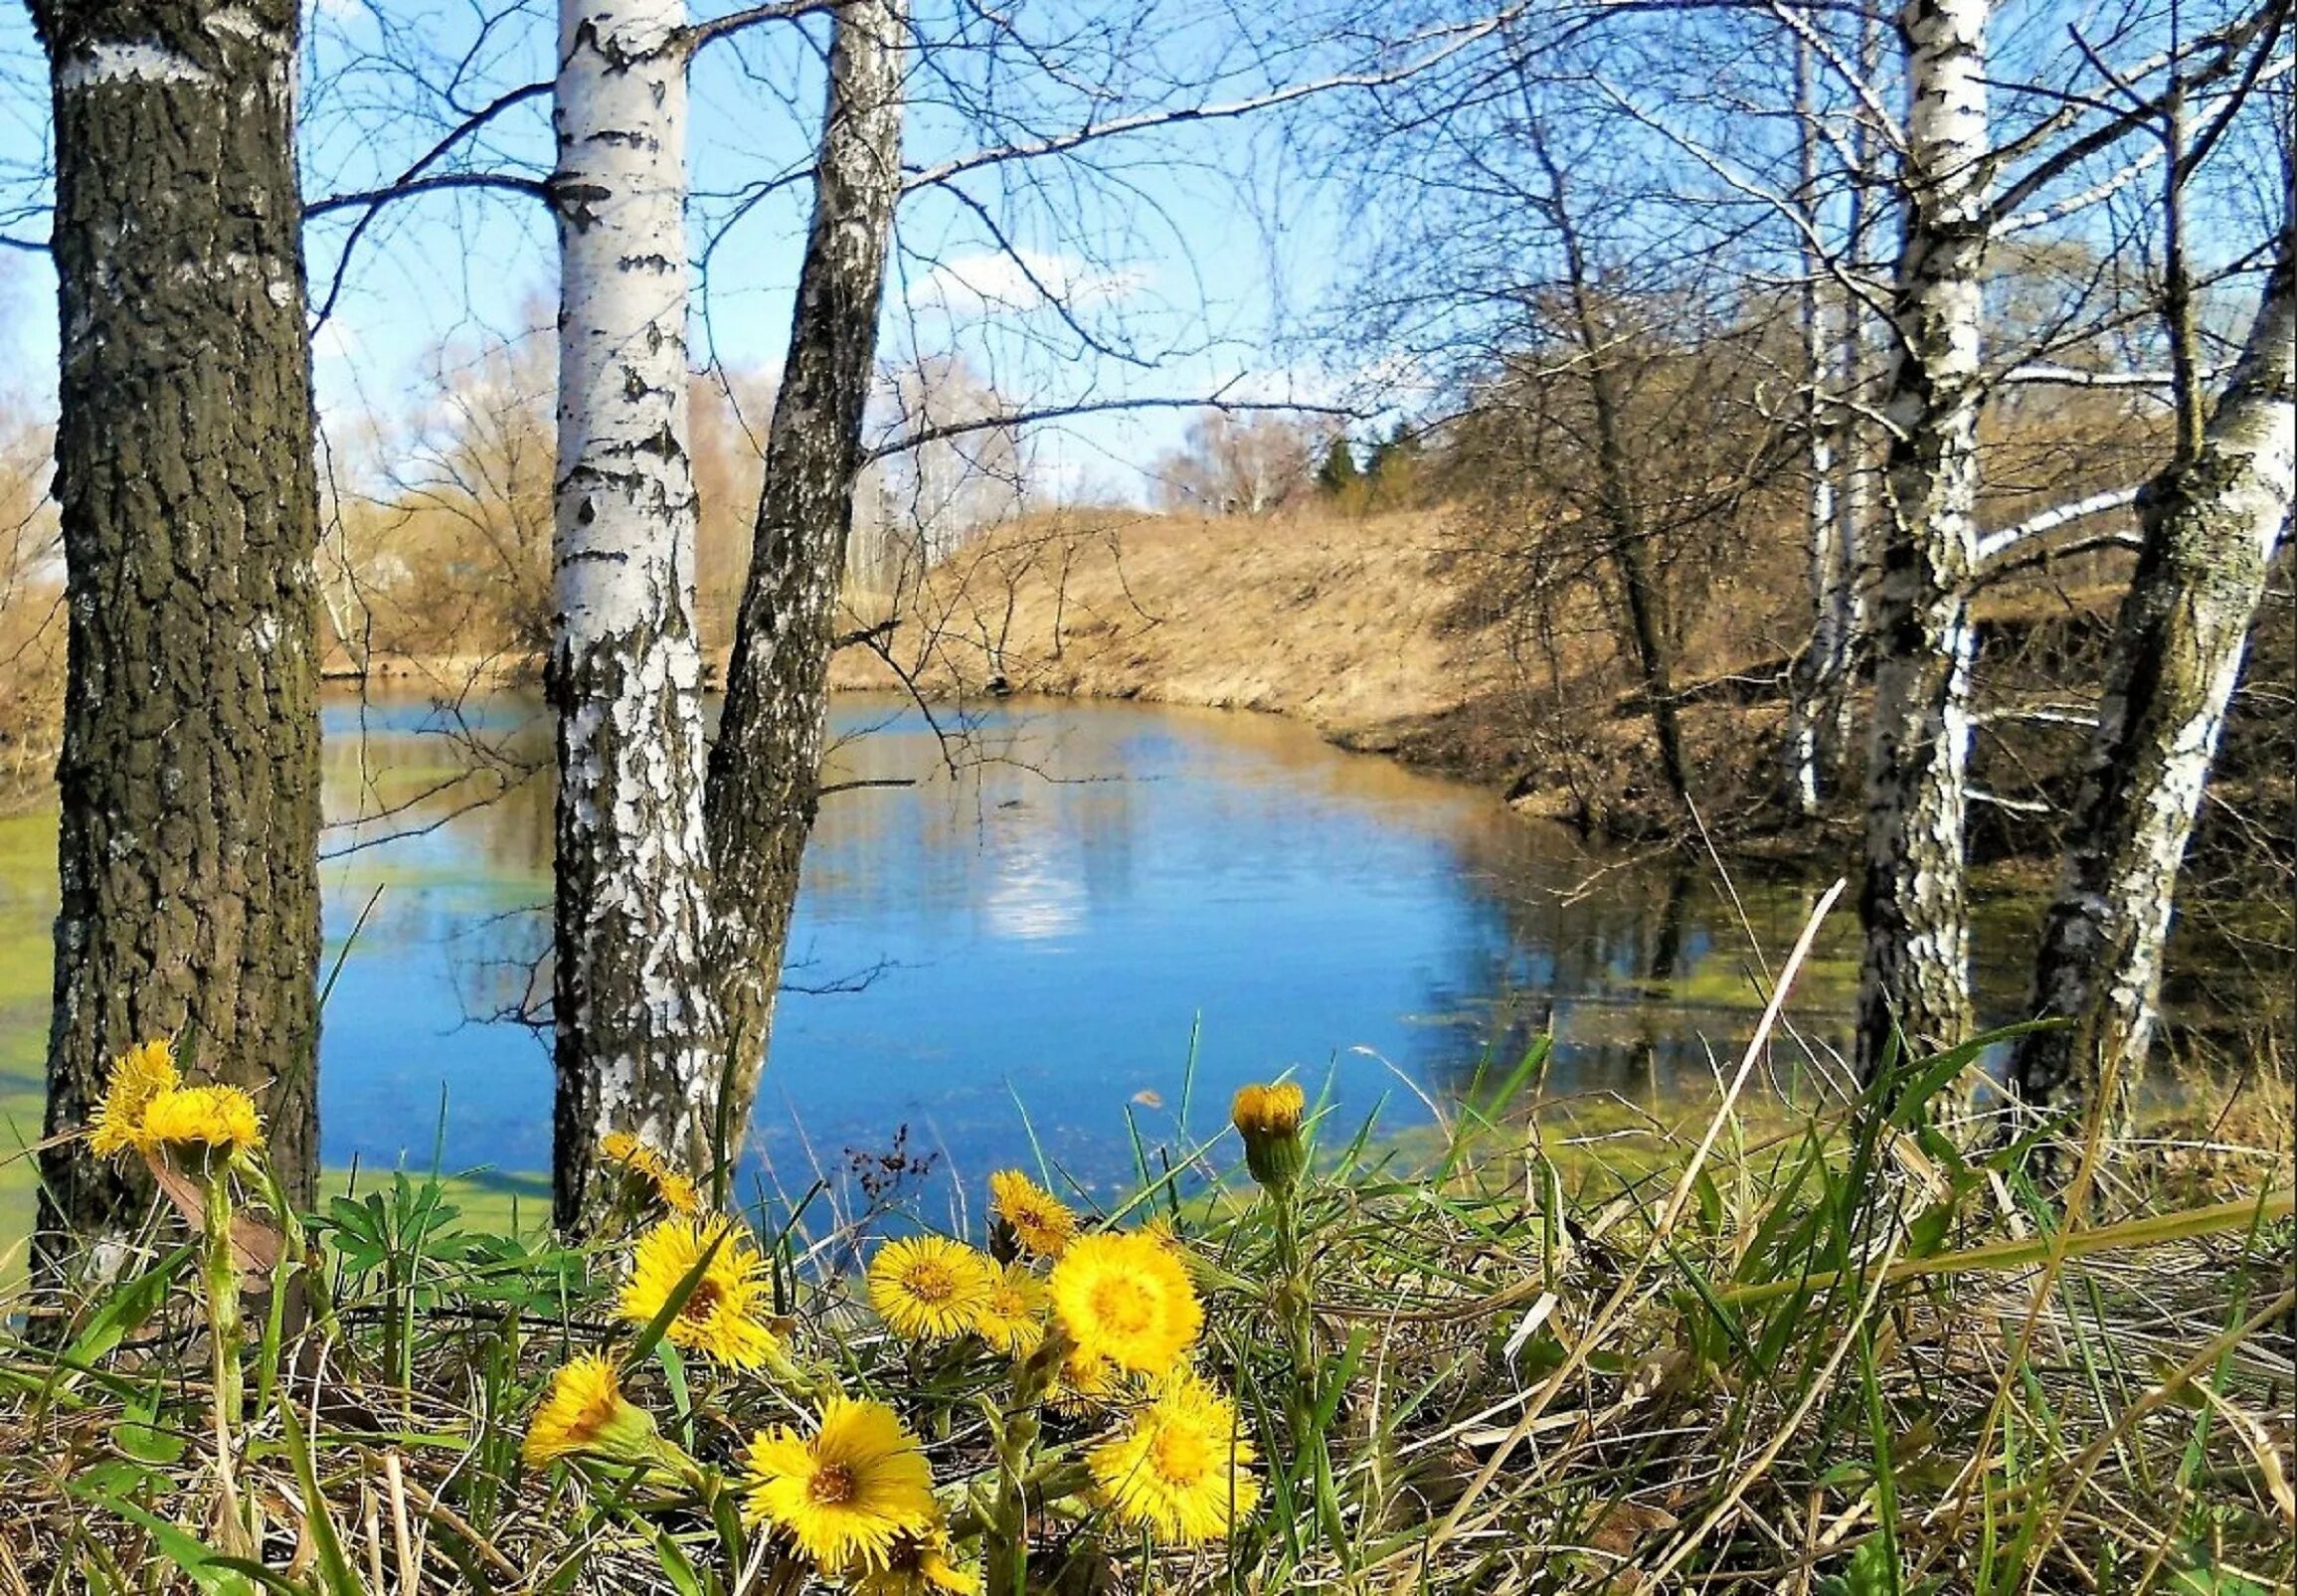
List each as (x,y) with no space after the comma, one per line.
(1559,1346)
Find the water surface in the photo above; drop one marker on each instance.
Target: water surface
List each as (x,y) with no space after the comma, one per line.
(1103,919)
(1108,912)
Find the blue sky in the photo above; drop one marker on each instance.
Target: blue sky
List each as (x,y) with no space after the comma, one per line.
(1161,246)
(1198,260)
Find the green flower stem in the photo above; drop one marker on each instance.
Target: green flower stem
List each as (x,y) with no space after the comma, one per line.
(1296,1319)
(1006,1546)
(296,1268)
(221,1282)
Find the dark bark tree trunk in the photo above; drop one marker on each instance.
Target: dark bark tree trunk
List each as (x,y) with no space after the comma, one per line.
(2209,523)
(1914,976)
(634,1024)
(190,771)
(1653,650)
(1624,543)
(764,768)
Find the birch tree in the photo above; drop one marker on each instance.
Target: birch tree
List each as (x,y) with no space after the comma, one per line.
(2210,523)
(1819,669)
(1834,312)
(1914,975)
(189,777)
(634,1023)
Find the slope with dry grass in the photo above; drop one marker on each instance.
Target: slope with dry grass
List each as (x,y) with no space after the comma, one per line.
(1354,626)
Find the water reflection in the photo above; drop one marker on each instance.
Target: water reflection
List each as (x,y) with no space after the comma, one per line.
(1107,911)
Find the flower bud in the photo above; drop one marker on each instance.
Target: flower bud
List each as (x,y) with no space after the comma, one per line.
(1268,1117)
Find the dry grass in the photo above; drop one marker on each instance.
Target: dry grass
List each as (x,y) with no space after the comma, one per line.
(1350,625)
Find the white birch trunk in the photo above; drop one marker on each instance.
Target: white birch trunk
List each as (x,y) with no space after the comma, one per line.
(1854,458)
(2210,527)
(634,1026)
(1817,677)
(1915,971)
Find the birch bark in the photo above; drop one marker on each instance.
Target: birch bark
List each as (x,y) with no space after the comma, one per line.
(2211,526)
(190,770)
(764,768)
(1855,454)
(1817,681)
(1915,973)
(634,1022)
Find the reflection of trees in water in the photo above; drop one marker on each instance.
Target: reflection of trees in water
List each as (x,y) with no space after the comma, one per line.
(1030,831)
(1613,953)
(422,780)
(444,803)
(503,966)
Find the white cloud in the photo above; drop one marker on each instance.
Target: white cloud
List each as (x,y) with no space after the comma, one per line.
(1007,282)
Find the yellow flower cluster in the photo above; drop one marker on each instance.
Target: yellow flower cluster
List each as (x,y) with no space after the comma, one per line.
(855,1497)
(1125,1311)
(1101,1323)
(931,1289)
(147,1109)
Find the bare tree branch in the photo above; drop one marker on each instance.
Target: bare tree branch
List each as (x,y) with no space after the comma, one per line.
(1455,41)
(1993,545)
(1050,413)
(705,33)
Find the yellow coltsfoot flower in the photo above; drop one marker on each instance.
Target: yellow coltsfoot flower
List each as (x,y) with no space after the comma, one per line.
(193,1125)
(1127,1299)
(1011,1319)
(585,1411)
(929,1288)
(652,1172)
(847,1494)
(1269,1109)
(1180,1467)
(1040,1222)
(1082,1386)
(138,1076)
(918,1566)
(726,1316)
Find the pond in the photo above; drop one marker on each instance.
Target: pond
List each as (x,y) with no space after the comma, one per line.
(1024,936)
